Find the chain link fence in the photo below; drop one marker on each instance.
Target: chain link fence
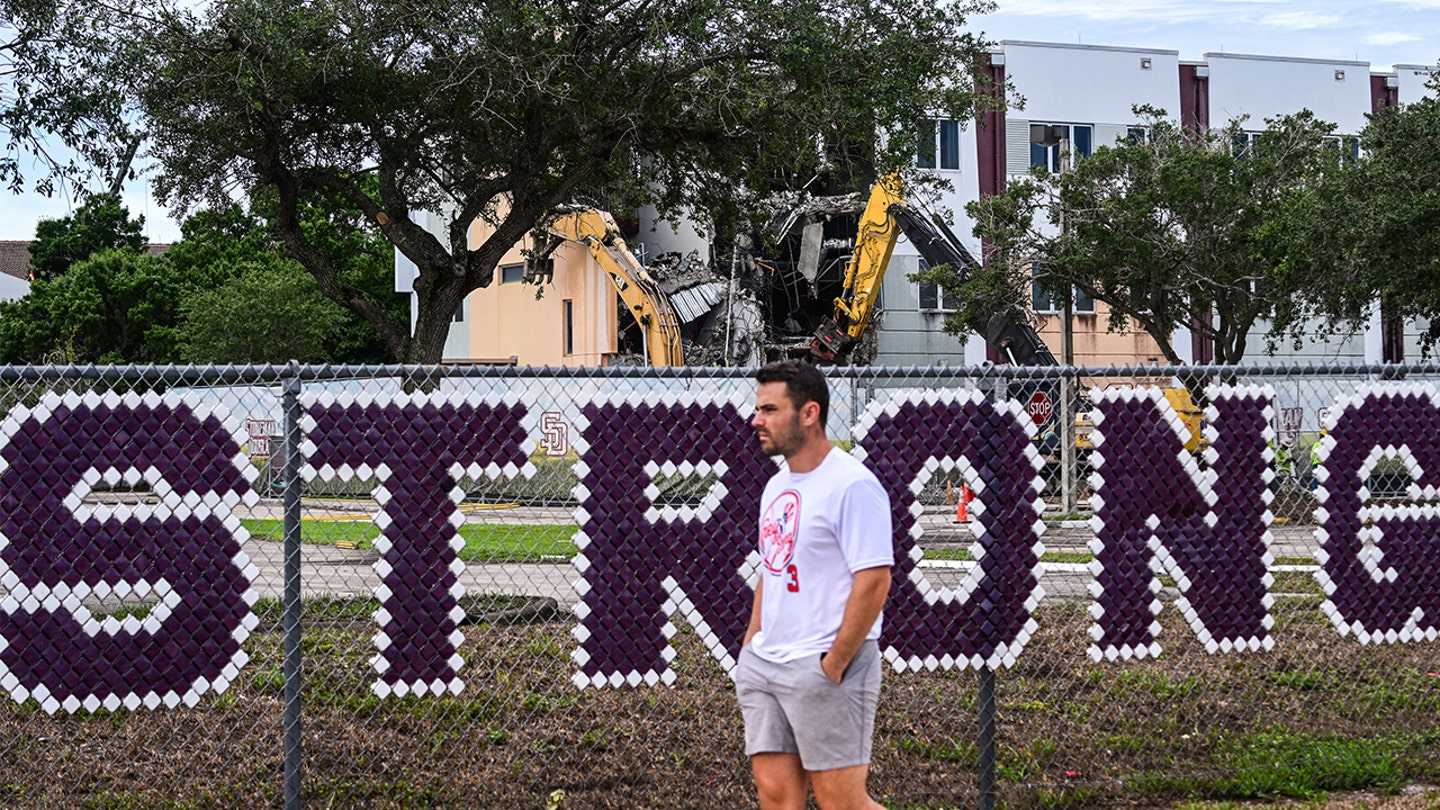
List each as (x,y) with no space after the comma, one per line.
(480,587)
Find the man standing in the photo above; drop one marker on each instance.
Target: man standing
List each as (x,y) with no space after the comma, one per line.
(808,678)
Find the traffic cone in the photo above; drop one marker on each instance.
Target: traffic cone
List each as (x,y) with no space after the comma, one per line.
(962,513)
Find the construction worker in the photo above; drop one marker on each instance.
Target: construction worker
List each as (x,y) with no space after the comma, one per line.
(1315,458)
(1284,464)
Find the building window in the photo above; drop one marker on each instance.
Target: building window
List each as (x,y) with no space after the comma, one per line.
(459,314)
(512,273)
(937,142)
(1043,301)
(1040,298)
(1243,144)
(1056,146)
(1347,145)
(1137,135)
(569,327)
(931,295)
(925,144)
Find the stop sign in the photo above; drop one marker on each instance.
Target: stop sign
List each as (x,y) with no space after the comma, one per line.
(1040,407)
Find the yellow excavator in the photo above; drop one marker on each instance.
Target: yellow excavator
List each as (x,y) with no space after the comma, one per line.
(887,215)
(597,231)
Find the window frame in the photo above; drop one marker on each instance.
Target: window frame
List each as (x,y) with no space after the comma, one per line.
(937,144)
(1049,157)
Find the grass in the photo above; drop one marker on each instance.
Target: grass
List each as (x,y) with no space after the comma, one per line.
(1318,714)
(483,542)
(1049,556)
(1289,765)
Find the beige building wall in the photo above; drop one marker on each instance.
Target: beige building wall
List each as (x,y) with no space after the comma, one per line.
(1094,346)
(505,320)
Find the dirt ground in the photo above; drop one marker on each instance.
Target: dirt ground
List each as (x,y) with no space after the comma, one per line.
(1414,797)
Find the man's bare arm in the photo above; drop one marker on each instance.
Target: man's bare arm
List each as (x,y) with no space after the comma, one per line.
(867,599)
(754,626)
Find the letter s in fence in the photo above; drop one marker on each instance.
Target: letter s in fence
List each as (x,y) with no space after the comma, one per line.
(62,558)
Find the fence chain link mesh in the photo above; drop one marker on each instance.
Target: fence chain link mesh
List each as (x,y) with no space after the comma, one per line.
(527,587)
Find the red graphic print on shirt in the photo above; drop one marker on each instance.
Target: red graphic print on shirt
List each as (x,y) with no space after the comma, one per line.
(778,525)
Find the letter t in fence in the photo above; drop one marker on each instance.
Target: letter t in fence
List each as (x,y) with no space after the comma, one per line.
(415,448)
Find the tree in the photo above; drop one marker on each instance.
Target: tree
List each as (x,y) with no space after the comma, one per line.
(226,251)
(501,112)
(62,87)
(117,306)
(271,312)
(102,223)
(1383,213)
(1173,230)
(225,293)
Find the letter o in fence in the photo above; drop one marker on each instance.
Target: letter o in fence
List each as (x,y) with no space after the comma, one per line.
(184,555)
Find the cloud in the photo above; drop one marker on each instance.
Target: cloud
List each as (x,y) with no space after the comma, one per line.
(1301,20)
(1390,38)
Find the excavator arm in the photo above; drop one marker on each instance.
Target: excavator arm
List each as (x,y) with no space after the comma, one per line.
(887,215)
(936,243)
(597,231)
(875,241)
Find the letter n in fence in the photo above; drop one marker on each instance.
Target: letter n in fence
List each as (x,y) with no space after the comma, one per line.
(1380,563)
(986,622)
(67,553)
(669,496)
(416,448)
(1157,511)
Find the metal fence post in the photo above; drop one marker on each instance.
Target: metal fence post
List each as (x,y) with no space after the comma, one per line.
(290,620)
(986,713)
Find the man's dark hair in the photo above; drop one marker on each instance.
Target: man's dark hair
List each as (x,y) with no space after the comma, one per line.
(803,383)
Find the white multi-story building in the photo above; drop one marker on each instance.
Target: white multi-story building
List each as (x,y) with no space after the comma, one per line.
(1076,98)
(1063,99)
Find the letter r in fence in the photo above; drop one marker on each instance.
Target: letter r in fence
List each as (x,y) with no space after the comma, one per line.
(63,557)
(647,554)
(416,448)
(1156,510)
(1380,564)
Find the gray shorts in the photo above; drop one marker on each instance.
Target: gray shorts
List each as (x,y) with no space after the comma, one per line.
(795,708)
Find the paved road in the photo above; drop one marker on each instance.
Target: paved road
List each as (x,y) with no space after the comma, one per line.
(341,572)
(331,571)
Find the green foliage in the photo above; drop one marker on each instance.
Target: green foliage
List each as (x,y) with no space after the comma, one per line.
(504,111)
(271,313)
(260,306)
(1292,765)
(65,82)
(1173,230)
(1383,212)
(225,293)
(118,306)
(102,223)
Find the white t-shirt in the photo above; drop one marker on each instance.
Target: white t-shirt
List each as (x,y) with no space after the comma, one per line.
(816,530)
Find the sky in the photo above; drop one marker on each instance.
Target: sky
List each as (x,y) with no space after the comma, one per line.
(1381,32)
